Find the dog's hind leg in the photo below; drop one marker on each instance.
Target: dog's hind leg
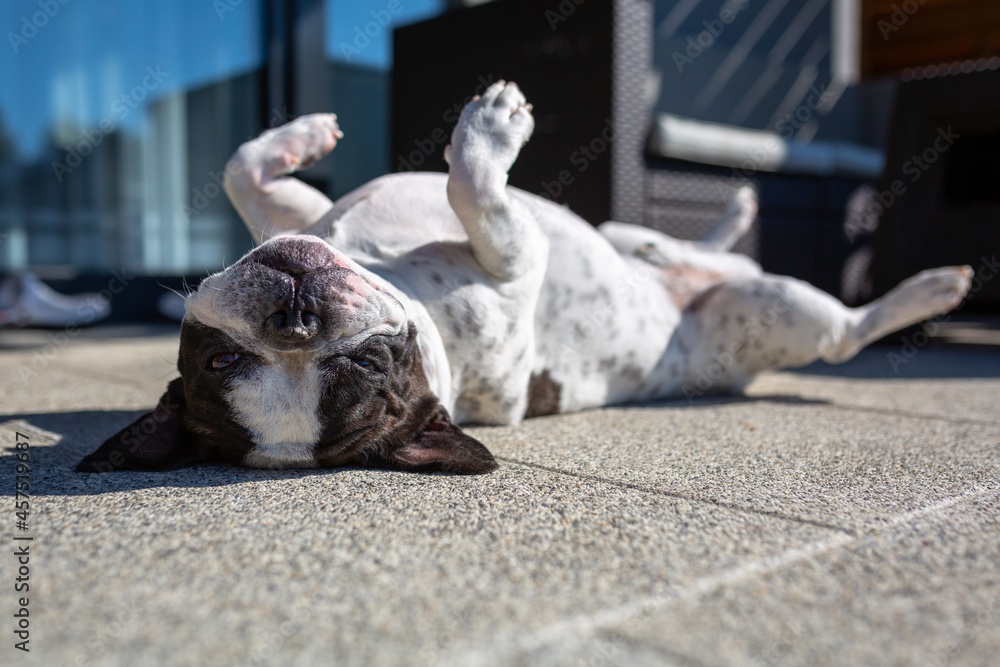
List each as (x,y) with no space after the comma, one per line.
(258,181)
(664,251)
(709,253)
(503,234)
(742,327)
(735,222)
(917,298)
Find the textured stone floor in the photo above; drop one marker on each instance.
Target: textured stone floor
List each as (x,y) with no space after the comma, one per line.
(835,516)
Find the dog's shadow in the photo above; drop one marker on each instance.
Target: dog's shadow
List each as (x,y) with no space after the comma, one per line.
(50,465)
(899,362)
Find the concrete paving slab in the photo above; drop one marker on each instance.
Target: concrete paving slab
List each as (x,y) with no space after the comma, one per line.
(203,566)
(795,527)
(83,374)
(921,592)
(809,462)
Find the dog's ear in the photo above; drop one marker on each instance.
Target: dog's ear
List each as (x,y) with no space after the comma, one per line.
(155,441)
(439,447)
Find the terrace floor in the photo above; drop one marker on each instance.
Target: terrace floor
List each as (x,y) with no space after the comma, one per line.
(837,515)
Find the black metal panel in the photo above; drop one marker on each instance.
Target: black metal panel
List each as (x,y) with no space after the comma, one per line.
(939,158)
(279,22)
(564,66)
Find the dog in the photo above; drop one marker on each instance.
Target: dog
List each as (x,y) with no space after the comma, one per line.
(363,332)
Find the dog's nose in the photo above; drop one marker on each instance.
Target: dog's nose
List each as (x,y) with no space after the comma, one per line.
(294,269)
(292,325)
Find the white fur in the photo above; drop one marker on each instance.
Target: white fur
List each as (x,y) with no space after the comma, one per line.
(279,405)
(254,177)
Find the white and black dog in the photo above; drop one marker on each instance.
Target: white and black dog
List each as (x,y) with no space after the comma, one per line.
(361,332)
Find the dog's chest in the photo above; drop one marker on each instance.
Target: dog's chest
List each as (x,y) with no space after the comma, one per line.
(595,331)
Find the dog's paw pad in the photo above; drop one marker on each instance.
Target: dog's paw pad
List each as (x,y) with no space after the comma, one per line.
(493,127)
(304,141)
(940,290)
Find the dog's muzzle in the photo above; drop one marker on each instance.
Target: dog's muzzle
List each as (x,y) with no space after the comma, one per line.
(295,277)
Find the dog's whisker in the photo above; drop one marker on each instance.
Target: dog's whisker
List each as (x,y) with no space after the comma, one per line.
(171,289)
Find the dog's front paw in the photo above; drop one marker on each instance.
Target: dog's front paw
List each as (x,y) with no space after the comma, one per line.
(301,143)
(491,130)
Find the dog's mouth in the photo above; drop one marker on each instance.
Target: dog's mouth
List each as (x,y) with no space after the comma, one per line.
(295,255)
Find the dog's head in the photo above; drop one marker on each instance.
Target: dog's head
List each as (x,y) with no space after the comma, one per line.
(296,357)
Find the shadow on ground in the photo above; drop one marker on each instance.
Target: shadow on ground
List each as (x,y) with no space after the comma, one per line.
(888,362)
(82,432)
(79,433)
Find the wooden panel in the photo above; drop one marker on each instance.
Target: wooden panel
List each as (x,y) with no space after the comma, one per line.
(898,34)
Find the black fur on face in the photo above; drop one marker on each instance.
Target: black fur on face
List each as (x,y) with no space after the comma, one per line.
(376,410)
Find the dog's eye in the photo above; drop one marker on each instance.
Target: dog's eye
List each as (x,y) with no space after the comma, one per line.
(221,361)
(364,363)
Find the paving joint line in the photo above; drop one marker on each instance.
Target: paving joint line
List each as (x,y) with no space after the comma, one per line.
(681,659)
(911,415)
(683,496)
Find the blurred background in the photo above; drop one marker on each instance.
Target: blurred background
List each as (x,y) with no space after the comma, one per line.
(869,127)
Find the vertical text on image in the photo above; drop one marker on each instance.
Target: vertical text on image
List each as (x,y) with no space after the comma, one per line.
(22,540)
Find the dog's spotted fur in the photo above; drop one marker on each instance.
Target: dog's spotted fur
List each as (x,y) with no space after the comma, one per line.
(354,330)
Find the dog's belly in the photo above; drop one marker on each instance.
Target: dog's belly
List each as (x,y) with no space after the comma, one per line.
(603,322)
